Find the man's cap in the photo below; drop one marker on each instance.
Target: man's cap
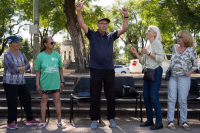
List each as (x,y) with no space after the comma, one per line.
(104,19)
(13,38)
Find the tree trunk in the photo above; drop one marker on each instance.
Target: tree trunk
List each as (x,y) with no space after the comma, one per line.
(74,30)
(3,46)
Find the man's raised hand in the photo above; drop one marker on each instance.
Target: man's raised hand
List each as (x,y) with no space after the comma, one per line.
(124,11)
(79,6)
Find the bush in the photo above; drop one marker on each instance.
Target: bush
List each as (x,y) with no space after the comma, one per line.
(1,64)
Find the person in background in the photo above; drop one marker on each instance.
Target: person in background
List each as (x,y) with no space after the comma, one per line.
(15,64)
(152,59)
(49,79)
(183,64)
(101,64)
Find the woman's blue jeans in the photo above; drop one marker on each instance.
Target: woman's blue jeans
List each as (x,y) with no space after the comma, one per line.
(151,96)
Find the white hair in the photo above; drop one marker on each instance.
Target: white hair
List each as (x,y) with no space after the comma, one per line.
(156,29)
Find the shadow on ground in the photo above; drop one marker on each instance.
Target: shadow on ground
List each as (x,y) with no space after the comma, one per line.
(82,125)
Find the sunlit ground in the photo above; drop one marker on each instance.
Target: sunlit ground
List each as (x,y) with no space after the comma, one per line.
(82,125)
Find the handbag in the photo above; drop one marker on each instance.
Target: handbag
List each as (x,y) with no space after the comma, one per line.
(149,74)
(168,74)
(169,71)
(126,91)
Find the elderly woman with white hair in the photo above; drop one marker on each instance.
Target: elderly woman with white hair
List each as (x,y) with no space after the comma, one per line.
(152,59)
(183,64)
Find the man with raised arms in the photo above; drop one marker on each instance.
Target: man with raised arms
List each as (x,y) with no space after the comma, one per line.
(101,64)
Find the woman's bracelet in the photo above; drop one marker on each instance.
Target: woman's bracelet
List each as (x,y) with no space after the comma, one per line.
(36,84)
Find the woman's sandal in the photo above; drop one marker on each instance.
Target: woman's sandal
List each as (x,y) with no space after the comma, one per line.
(186,126)
(171,125)
(61,125)
(41,125)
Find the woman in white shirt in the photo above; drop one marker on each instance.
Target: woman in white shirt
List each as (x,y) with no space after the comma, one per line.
(152,59)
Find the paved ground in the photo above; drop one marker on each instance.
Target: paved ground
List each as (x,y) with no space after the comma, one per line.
(82,125)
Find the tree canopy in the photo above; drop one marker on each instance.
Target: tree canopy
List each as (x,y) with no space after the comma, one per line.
(170,16)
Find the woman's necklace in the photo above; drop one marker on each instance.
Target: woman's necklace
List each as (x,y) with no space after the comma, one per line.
(181,51)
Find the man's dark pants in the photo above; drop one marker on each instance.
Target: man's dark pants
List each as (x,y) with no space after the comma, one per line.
(108,77)
(12,93)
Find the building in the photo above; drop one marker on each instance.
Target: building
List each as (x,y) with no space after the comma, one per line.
(67,51)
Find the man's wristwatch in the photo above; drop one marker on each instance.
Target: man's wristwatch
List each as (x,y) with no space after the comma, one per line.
(63,82)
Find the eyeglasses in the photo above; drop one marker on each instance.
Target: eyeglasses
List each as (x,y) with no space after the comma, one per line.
(53,43)
(179,37)
(106,24)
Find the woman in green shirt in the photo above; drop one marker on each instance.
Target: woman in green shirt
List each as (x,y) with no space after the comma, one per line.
(49,79)
(152,59)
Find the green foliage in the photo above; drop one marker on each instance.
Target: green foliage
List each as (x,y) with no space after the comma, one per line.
(91,14)
(7,12)
(127,56)
(51,18)
(136,33)
(26,49)
(172,16)
(1,64)
(116,50)
(187,12)
(57,47)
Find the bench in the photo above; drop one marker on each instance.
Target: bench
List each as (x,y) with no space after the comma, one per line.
(31,86)
(84,86)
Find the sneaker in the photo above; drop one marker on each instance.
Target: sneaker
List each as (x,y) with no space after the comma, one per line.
(32,122)
(12,125)
(112,123)
(94,125)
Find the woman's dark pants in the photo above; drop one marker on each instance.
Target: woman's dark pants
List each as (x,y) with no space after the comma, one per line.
(12,93)
(151,96)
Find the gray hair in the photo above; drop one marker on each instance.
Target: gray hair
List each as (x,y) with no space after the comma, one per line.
(156,29)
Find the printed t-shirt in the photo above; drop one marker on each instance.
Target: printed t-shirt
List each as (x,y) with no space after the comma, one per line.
(49,65)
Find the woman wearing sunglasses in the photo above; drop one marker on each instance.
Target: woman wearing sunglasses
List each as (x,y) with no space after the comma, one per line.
(49,79)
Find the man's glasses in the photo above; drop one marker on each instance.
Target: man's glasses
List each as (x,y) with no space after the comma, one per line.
(106,24)
(53,43)
(179,37)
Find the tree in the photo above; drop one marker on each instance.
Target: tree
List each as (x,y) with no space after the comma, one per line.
(7,21)
(136,33)
(74,30)
(187,12)
(57,47)
(172,16)
(6,12)
(64,16)
(27,49)
(52,19)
